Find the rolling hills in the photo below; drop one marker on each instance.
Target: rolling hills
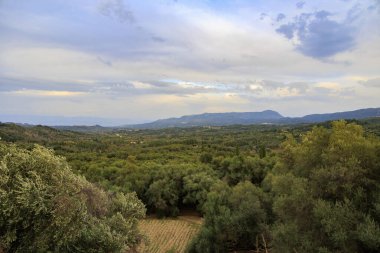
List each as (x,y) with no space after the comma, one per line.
(248,118)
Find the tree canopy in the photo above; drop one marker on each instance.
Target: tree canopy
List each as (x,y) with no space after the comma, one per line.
(44,206)
(327,192)
(303,188)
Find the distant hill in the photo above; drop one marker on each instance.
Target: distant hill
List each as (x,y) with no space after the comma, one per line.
(247,118)
(214,119)
(86,129)
(226,119)
(33,134)
(314,118)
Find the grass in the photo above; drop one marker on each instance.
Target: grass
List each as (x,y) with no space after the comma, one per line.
(168,235)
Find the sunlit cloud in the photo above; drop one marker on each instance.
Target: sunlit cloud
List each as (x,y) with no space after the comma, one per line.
(45,93)
(329,85)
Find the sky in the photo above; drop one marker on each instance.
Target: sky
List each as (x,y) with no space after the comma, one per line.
(116,62)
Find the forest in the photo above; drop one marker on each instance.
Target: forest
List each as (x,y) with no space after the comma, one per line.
(258,188)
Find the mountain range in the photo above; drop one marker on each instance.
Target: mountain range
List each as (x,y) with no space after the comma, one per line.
(206,119)
(247,118)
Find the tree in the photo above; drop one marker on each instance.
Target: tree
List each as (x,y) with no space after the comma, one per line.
(234,217)
(205,158)
(163,196)
(327,192)
(196,187)
(45,207)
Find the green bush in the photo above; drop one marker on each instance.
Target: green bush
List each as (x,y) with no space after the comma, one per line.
(44,207)
(327,192)
(234,217)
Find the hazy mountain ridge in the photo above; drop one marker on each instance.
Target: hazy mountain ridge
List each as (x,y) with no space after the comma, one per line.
(247,118)
(226,119)
(215,119)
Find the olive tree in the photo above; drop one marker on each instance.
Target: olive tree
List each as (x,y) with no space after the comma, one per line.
(45,207)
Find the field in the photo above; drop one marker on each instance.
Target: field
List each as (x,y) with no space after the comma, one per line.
(168,235)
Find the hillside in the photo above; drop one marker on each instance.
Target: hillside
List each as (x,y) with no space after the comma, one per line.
(232,175)
(214,119)
(314,118)
(248,118)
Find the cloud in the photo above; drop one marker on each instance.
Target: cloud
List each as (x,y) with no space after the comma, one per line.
(288,30)
(280,17)
(105,62)
(375,82)
(275,89)
(141,88)
(354,13)
(300,5)
(116,9)
(317,35)
(329,85)
(374,6)
(11,84)
(269,90)
(157,39)
(263,16)
(326,38)
(322,14)
(45,93)
(197,54)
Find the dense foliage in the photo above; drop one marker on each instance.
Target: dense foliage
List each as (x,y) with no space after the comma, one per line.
(168,169)
(326,192)
(234,217)
(45,207)
(302,188)
(323,195)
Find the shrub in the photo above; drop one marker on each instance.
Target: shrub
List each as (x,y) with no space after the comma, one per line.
(45,207)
